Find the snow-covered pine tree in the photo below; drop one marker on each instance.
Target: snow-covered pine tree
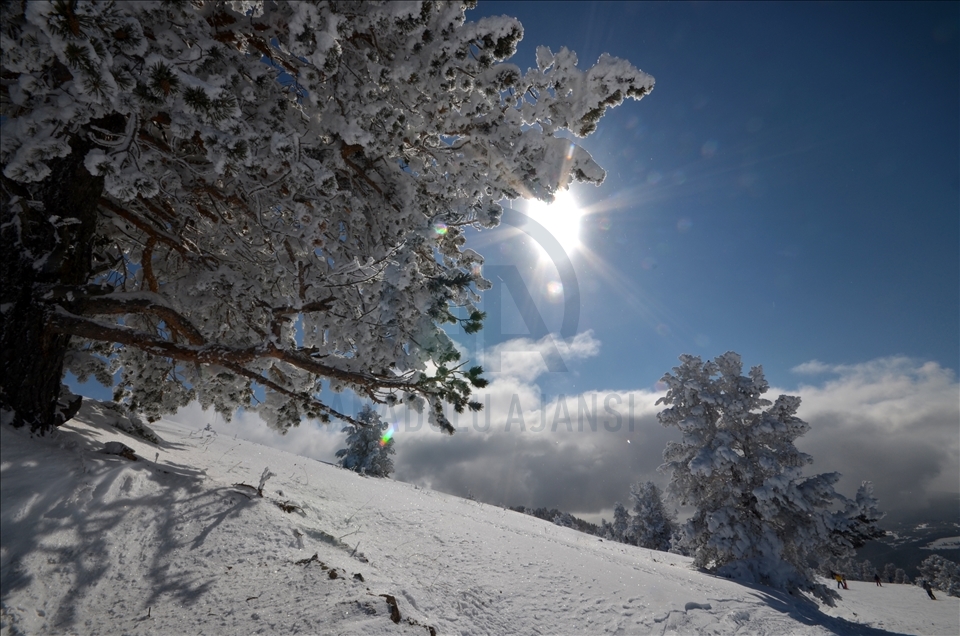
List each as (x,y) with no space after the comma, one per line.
(564,519)
(652,525)
(621,523)
(213,198)
(368,450)
(942,573)
(757,517)
(605,530)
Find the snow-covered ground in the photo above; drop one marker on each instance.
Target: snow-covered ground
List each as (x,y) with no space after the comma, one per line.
(174,543)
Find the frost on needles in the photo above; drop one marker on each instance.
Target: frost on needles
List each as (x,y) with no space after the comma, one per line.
(258,204)
(757,517)
(369,447)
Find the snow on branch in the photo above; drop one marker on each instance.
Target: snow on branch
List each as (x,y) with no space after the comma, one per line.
(276,175)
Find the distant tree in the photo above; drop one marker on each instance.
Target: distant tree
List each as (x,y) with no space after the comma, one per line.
(260,204)
(901,577)
(621,523)
(846,566)
(676,542)
(606,530)
(652,525)
(564,519)
(889,572)
(941,573)
(756,516)
(368,448)
(867,571)
(560,517)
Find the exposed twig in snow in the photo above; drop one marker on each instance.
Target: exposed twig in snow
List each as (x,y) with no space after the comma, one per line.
(228,451)
(340,538)
(288,506)
(358,510)
(245,494)
(263,480)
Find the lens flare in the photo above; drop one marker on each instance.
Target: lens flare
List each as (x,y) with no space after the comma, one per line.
(554,291)
(440,228)
(387,436)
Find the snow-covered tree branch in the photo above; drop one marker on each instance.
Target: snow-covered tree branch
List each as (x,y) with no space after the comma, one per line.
(253,204)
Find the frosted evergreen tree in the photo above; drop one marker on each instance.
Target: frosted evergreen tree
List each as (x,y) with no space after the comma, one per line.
(901,577)
(757,517)
(564,519)
(652,526)
(606,530)
(369,446)
(621,523)
(941,573)
(217,200)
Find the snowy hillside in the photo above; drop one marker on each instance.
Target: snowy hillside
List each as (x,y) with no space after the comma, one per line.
(178,541)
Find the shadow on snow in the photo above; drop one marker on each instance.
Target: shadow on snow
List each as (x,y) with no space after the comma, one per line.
(63,498)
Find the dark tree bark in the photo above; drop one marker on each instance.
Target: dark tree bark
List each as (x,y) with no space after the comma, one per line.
(46,240)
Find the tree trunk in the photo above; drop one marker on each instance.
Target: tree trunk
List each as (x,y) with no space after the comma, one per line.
(46,240)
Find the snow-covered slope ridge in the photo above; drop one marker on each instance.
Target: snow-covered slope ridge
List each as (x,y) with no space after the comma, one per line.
(179,542)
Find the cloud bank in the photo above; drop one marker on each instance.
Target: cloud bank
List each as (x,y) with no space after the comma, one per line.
(893,421)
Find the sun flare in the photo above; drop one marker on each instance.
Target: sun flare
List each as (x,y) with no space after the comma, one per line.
(561,218)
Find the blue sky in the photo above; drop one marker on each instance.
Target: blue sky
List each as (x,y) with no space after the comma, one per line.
(790,191)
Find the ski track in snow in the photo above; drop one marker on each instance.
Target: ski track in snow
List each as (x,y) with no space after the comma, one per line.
(96,544)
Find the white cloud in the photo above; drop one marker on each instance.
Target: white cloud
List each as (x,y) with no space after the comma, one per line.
(528,359)
(893,421)
(814,367)
(579,452)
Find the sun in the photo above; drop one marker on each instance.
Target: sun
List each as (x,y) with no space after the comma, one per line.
(561,218)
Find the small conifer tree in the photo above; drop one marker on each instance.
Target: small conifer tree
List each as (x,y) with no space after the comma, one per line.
(369,445)
(652,525)
(621,523)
